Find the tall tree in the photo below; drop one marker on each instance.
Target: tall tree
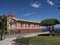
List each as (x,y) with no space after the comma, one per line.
(3,25)
(4,21)
(49,23)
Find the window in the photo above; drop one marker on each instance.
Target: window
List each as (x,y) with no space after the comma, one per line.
(34,25)
(15,32)
(28,25)
(21,25)
(11,32)
(18,31)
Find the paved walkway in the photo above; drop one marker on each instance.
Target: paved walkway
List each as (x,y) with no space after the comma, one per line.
(35,34)
(8,41)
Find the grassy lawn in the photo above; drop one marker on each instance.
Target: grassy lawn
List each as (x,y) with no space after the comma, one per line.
(40,40)
(44,40)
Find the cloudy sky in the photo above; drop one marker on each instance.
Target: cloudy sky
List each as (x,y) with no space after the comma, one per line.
(35,10)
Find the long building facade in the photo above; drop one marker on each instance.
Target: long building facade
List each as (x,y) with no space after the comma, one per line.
(16,26)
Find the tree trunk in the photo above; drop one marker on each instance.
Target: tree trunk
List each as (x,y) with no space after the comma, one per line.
(50,33)
(50,30)
(1,36)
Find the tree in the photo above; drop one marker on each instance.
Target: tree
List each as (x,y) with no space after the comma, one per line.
(49,23)
(3,25)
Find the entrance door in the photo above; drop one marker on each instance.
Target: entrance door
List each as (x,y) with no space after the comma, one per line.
(11,32)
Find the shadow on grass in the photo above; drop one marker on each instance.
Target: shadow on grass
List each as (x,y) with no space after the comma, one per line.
(48,34)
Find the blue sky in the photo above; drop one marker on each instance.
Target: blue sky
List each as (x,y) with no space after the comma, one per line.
(35,10)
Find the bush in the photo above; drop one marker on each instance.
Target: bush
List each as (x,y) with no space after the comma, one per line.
(21,41)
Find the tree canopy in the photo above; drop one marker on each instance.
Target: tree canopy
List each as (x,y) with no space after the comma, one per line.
(49,22)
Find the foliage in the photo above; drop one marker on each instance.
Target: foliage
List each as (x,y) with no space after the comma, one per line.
(49,22)
(21,41)
(3,24)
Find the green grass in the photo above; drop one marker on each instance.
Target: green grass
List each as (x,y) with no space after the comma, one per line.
(40,40)
(44,40)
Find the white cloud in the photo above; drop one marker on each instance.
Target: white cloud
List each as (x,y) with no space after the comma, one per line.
(27,14)
(36,4)
(50,2)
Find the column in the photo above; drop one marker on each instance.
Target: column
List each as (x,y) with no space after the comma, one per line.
(17,25)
